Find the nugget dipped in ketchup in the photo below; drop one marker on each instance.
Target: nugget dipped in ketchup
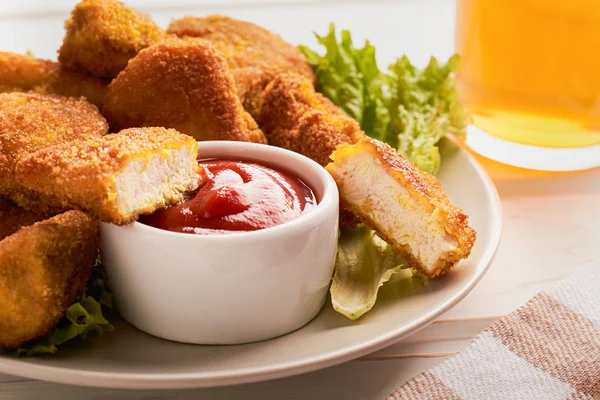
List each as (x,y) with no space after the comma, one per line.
(236,196)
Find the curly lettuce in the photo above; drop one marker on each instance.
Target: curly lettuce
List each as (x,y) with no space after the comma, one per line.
(364,262)
(409,108)
(81,319)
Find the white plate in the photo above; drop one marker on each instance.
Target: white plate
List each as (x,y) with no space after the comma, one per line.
(128,358)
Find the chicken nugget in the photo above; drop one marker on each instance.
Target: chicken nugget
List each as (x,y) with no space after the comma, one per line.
(407,207)
(185,85)
(102,35)
(254,54)
(31,121)
(13,218)
(116,177)
(44,268)
(294,116)
(22,73)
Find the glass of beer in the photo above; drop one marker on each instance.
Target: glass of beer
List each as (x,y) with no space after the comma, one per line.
(530,76)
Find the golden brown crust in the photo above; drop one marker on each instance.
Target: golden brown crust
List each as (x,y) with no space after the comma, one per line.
(185,85)
(102,35)
(82,173)
(37,202)
(29,122)
(422,186)
(44,268)
(13,218)
(21,73)
(254,54)
(294,116)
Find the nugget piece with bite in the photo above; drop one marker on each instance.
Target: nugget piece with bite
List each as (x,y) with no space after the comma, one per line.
(13,218)
(116,177)
(407,207)
(31,121)
(254,54)
(102,35)
(22,73)
(44,268)
(184,85)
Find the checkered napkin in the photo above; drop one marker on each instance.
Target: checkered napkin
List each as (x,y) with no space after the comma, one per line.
(547,349)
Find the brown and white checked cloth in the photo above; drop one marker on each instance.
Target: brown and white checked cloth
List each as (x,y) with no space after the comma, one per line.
(547,349)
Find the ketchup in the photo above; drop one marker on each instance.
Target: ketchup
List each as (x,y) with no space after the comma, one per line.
(236,196)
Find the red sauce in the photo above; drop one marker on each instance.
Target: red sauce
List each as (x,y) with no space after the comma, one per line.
(236,196)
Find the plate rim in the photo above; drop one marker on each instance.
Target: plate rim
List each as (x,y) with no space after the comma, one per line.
(190,380)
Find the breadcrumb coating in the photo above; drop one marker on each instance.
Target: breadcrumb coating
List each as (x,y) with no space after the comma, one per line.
(31,121)
(13,218)
(427,201)
(294,116)
(44,268)
(254,54)
(102,35)
(22,73)
(185,85)
(109,176)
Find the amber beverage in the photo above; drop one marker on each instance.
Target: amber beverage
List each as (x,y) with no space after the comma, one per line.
(530,75)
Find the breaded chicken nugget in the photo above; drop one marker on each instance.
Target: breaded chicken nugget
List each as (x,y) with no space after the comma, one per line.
(31,121)
(116,177)
(185,85)
(102,35)
(254,54)
(407,207)
(21,73)
(295,117)
(13,218)
(44,268)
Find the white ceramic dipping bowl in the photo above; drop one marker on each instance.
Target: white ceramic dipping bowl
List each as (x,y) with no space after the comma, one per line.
(231,288)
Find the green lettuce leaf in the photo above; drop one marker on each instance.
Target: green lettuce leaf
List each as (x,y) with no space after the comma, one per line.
(81,319)
(364,263)
(409,108)
(425,108)
(351,79)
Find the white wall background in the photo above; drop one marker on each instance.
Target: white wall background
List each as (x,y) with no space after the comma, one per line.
(394,27)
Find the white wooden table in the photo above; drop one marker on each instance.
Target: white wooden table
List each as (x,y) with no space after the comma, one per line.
(551,221)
